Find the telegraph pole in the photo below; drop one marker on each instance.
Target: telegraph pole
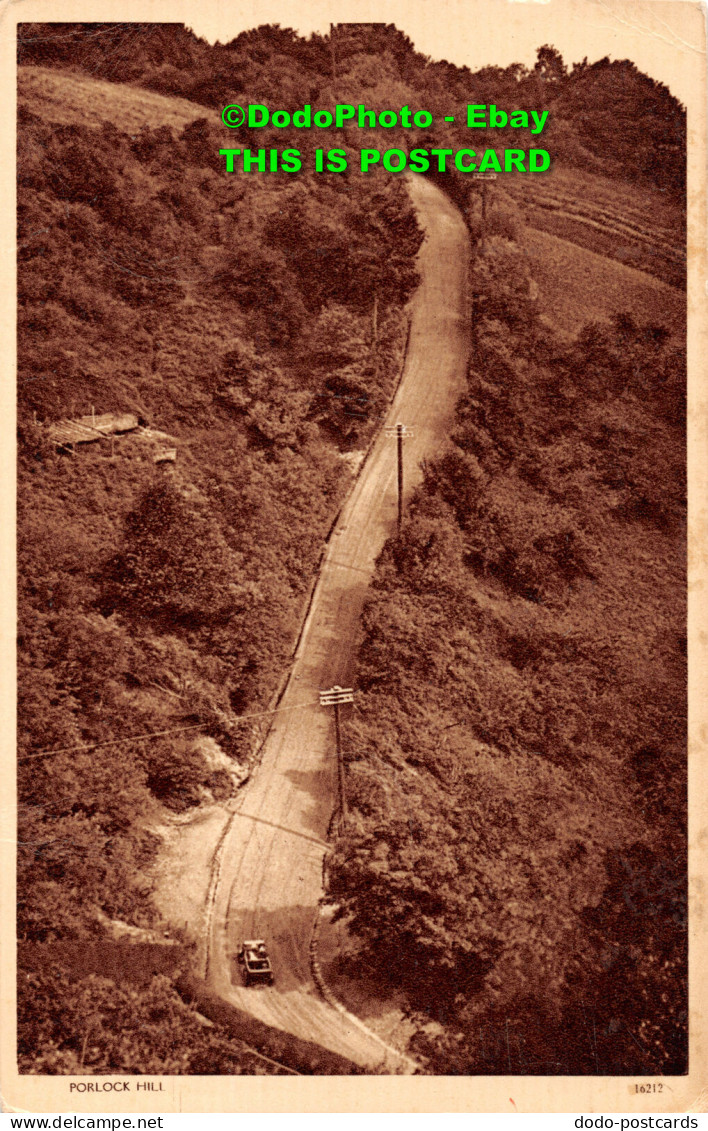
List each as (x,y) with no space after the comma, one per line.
(334,698)
(334,57)
(401,433)
(484,177)
(399,460)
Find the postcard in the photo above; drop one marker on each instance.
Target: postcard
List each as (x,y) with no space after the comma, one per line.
(355,361)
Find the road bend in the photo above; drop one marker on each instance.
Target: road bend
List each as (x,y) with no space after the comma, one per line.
(269,878)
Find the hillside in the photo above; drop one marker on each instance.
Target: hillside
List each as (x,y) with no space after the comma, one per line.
(163,598)
(516,765)
(515,855)
(637,226)
(78,99)
(577,285)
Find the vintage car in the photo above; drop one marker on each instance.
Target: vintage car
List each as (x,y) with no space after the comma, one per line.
(253,957)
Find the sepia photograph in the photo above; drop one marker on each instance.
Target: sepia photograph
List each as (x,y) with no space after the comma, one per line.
(352,542)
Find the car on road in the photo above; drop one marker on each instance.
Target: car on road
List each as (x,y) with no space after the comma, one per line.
(253,957)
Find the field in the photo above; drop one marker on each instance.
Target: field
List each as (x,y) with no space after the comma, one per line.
(76,99)
(634,225)
(578,286)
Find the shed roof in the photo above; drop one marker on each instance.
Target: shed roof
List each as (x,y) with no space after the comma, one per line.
(86,429)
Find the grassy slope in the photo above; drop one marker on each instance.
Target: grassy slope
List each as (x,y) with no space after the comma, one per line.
(78,99)
(648,211)
(577,285)
(633,225)
(597,247)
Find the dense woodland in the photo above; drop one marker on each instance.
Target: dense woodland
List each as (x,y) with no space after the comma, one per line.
(518,766)
(605,116)
(517,761)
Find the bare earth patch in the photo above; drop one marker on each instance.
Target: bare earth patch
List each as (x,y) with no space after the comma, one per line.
(188,847)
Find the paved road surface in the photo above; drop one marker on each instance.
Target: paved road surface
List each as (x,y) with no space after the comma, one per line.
(270,876)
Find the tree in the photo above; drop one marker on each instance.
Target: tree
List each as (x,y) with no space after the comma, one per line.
(550,66)
(175,568)
(640,929)
(91,1025)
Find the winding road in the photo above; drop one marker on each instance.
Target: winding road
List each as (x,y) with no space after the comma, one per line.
(268,879)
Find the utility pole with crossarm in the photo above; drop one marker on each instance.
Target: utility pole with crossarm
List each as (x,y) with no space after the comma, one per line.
(484,177)
(334,698)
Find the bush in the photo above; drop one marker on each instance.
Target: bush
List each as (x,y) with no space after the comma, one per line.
(177,775)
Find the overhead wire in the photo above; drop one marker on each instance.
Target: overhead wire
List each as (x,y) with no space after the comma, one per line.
(162,733)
